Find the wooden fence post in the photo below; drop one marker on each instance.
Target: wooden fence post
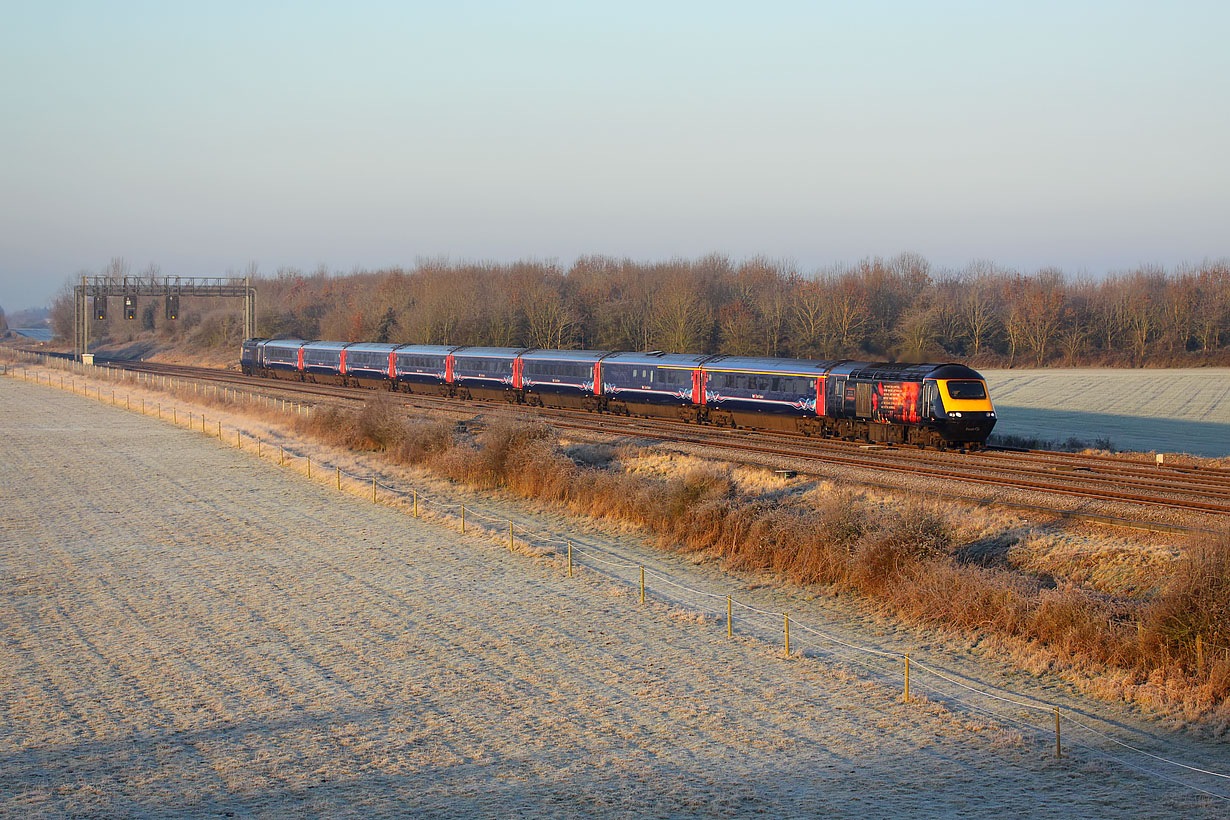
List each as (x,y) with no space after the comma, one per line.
(907,677)
(1058,747)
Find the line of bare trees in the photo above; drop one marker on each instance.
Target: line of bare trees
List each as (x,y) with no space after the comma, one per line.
(899,308)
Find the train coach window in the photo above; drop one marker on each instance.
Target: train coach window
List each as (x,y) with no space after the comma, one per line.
(966,390)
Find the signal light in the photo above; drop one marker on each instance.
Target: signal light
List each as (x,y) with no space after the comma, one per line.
(130,307)
(172,306)
(100,308)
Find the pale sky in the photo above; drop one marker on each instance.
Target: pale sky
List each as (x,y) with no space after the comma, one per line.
(204,136)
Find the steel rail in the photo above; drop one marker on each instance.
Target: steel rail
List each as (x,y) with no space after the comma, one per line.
(825,451)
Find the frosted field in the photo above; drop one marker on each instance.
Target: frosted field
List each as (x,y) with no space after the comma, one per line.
(186,631)
(1173,411)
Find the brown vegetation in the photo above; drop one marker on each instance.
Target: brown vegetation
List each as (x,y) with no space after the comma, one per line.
(905,558)
(899,308)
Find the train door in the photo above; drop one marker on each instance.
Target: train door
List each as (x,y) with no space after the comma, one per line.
(698,386)
(862,400)
(835,407)
(393,365)
(931,406)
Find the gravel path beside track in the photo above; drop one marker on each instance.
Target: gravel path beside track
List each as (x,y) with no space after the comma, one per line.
(188,631)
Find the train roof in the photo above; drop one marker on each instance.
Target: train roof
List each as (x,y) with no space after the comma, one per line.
(326,345)
(903,371)
(655,358)
(372,347)
(756,364)
(296,343)
(490,352)
(564,355)
(954,371)
(426,350)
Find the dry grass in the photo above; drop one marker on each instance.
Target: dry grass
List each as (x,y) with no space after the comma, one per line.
(903,556)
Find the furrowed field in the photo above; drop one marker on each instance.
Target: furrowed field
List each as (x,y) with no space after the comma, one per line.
(1166,410)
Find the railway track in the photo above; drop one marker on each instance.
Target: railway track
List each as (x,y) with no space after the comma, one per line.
(1130,486)
(1095,478)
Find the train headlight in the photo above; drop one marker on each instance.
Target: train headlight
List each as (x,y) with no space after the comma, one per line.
(955,414)
(991,415)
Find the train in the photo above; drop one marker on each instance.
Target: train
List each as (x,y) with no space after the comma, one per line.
(941,405)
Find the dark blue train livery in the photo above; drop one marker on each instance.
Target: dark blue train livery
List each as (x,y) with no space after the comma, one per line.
(942,405)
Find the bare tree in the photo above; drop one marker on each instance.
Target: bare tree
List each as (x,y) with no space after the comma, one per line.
(1180,313)
(917,333)
(978,304)
(738,328)
(1142,309)
(773,304)
(550,320)
(681,319)
(1042,310)
(1214,297)
(117,268)
(847,314)
(879,307)
(1141,321)
(808,315)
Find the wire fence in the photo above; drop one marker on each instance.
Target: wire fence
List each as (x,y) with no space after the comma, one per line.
(891,668)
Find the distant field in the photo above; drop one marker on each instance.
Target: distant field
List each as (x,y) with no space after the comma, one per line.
(1174,411)
(39,334)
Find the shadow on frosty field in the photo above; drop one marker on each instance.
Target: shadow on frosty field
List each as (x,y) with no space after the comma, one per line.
(1136,433)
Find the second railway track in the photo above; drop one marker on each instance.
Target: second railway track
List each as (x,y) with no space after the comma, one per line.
(1204,490)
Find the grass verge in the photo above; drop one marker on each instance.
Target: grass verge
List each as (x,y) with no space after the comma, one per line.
(904,558)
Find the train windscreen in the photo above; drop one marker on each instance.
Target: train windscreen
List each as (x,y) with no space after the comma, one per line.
(966,390)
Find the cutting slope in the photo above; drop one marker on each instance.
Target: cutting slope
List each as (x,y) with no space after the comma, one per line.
(188,631)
